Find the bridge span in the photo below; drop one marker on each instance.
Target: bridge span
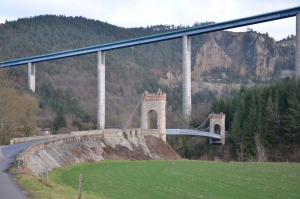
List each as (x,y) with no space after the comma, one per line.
(214,138)
(193,132)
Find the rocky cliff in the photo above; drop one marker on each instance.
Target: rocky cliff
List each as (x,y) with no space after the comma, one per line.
(235,56)
(224,60)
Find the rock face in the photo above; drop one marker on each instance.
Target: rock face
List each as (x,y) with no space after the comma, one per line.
(249,55)
(227,58)
(112,144)
(209,56)
(250,52)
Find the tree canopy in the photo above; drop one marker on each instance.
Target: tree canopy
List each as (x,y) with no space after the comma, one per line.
(59,121)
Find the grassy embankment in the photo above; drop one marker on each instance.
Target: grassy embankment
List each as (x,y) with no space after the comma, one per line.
(174,179)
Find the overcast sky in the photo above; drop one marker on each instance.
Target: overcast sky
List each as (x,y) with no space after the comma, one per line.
(141,13)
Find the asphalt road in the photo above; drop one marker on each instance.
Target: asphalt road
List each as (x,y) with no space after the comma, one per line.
(8,188)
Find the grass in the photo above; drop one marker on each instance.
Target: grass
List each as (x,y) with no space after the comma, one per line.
(183,179)
(40,189)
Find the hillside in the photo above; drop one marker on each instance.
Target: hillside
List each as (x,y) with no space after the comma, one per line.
(221,61)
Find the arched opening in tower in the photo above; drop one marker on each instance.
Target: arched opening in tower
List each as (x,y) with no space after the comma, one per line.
(217,129)
(152,120)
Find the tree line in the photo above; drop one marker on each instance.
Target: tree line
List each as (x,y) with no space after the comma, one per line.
(264,121)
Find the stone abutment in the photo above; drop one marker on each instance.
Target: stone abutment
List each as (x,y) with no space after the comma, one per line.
(90,146)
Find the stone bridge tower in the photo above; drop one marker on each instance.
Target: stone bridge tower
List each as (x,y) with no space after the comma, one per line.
(217,126)
(154,102)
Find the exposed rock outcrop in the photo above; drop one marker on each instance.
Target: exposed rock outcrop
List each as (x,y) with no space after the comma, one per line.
(251,53)
(210,55)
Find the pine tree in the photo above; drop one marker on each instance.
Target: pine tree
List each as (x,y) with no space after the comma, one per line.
(172,142)
(291,125)
(59,121)
(188,152)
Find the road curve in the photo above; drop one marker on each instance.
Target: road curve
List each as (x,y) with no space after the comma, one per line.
(8,188)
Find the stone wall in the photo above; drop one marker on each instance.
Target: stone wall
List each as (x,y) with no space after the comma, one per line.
(90,146)
(45,137)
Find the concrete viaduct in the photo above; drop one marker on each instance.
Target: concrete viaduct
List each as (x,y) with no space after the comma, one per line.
(186,55)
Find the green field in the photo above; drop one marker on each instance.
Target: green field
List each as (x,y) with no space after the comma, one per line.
(183,179)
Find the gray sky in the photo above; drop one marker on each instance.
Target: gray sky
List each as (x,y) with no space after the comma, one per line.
(141,13)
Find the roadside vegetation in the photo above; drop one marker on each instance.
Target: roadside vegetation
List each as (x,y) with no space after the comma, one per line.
(170,179)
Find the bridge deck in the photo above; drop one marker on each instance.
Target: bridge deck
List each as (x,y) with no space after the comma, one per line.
(192,132)
(160,37)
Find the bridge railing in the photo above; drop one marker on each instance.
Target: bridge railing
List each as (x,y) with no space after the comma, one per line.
(193,132)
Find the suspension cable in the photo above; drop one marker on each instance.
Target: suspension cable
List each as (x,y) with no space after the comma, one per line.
(204,122)
(172,121)
(198,126)
(132,114)
(183,120)
(207,127)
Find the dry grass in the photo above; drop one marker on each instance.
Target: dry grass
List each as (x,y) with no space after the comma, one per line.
(39,188)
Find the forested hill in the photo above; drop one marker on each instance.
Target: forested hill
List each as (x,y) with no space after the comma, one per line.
(51,33)
(221,61)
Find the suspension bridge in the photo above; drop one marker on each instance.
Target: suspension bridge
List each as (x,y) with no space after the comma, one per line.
(157,102)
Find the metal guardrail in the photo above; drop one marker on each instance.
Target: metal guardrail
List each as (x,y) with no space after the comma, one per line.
(159,37)
(192,132)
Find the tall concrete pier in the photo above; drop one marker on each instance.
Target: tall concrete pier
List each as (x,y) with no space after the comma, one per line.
(101,90)
(186,79)
(297,61)
(31,76)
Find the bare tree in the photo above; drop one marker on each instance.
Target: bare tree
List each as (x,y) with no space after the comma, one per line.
(27,107)
(17,113)
(260,149)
